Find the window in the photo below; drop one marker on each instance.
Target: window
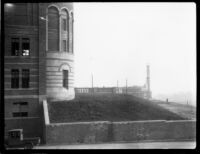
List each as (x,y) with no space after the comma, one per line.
(53,29)
(15,134)
(53,18)
(15,46)
(18,44)
(64,24)
(20,109)
(72,31)
(65,20)
(25,46)
(64,45)
(20,114)
(20,103)
(14,78)
(65,78)
(25,78)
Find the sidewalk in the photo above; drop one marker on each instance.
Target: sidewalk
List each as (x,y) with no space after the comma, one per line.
(143,145)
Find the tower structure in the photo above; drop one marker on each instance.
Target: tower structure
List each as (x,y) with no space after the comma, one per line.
(59,55)
(38,61)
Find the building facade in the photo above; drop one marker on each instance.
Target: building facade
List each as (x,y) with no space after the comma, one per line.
(38,60)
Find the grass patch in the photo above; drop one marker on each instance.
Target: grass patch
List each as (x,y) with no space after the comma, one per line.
(107,107)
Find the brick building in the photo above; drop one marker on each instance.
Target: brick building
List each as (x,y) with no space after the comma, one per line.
(38,61)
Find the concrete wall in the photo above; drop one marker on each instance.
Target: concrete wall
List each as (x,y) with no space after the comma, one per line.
(104,131)
(153,130)
(85,132)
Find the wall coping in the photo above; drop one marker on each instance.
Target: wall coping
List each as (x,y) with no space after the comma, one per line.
(78,123)
(20,118)
(46,112)
(120,122)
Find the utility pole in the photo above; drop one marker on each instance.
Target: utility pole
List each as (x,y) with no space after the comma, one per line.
(117,89)
(92,84)
(148,82)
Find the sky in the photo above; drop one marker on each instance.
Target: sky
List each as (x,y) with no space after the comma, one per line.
(115,41)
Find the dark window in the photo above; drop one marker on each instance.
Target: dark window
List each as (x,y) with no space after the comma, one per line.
(72,31)
(15,134)
(64,24)
(65,78)
(15,47)
(25,78)
(20,103)
(65,19)
(53,18)
(53,29)
(25,47)
(14,78)
(20,114)
(64,45)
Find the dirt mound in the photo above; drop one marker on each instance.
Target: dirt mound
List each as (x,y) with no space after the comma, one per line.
(107,107)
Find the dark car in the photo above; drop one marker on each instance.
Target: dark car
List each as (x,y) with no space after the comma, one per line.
(15,139)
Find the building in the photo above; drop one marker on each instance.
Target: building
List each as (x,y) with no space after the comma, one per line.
(138,91)
(105,90)
(38,61)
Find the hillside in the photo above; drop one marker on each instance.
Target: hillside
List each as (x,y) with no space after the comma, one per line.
(183,110)
(107,107)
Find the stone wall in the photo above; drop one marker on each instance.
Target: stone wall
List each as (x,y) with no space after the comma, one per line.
(85,132)
(154,130)
(104,131)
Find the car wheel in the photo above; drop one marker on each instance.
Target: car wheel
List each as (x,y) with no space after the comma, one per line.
(29,146)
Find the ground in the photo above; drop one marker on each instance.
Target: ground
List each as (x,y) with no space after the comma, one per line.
(108,107)
(183,110)
(133,145)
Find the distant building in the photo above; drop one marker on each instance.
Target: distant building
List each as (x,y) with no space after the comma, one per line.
(135,91)
(138,91)
(39,60)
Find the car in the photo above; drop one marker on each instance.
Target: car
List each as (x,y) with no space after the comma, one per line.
(15,139)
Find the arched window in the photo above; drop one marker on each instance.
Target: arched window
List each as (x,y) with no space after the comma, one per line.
(65,30)
(65,68)
(64,20)
(53,29)
(72,31)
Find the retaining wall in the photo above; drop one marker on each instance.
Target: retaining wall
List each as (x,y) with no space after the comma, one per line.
(85,132)
(104,131)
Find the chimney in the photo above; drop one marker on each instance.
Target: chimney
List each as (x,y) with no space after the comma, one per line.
(148,78)
(148,83)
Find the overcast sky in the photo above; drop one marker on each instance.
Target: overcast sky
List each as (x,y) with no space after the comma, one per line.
(115,41)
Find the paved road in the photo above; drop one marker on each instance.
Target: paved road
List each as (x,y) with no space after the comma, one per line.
(144,145)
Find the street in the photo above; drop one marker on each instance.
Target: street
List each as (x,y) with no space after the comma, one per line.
(143,145)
